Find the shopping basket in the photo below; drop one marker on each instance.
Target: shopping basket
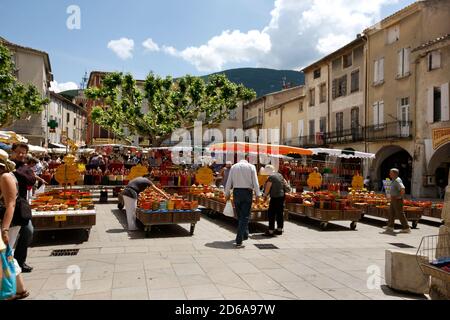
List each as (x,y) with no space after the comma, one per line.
(433,255)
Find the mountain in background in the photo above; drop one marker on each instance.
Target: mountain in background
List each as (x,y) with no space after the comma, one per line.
(262,80)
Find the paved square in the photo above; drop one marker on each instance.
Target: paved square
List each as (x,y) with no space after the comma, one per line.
(309,264)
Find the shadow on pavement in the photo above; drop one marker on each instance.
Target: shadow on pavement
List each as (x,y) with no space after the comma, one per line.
(394,293)
(58,237)
(230,224)
(221,244)
(157,231)
(315,225)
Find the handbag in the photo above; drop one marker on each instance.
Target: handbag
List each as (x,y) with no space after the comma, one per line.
(22,212)
(7,274)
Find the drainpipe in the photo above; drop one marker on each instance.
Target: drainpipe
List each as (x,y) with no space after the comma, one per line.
(366,99)
(329,103)
(281,124)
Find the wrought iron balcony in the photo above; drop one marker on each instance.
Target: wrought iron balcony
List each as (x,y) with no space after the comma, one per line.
(252,122)
(389,131)
(345,136)
(310,141)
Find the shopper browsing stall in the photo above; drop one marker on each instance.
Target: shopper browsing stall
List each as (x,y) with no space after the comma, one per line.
(131,195)
(243,180)
(276,187)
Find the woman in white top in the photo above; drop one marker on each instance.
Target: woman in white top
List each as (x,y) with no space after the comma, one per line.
(9,233)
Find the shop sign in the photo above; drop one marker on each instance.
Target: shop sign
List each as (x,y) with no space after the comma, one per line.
(262,179)
(358,182)
(440,137)
(60,218)
(103,141)
(314,180)
(204,176)
(67,173)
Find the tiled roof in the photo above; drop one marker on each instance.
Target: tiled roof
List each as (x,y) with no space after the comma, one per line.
(45,54)
(432,42)
(395,14)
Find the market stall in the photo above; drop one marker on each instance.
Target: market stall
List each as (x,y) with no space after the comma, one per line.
(156,209)
(323,206)
(377,205)
(63,209)
(213,198)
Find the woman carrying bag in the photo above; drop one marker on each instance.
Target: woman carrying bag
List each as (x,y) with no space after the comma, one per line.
(9,231)
(277,187)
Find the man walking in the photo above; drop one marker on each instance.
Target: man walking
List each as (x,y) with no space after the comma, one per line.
(396,209)
(243,180)
(26,178)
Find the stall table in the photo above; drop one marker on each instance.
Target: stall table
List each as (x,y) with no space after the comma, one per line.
(150,218)
(218,206)
(433,213)
(64,220)
(413,215)
(324,215)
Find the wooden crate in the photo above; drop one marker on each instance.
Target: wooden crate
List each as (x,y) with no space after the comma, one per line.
(72,222)
(352,215)
(45,223)
(154,218)
(78,222)
(310,211)
(186,217)
(327,215)
(290,207)
(299,208)
(259,216)
(414,214)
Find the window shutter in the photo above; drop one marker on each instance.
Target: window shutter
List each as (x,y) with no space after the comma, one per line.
(430,105)
(289,130)
(407,55)
(381,70)
(334,88)
(300,128)
(344,85)
(400,63)
(381,113)
(375,72)
(445,116)
(435,59)
(375,113)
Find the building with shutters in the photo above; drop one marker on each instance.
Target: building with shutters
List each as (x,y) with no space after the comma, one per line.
(402,93)
(32,67)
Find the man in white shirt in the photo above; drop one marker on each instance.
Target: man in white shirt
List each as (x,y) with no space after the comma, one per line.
(243,180)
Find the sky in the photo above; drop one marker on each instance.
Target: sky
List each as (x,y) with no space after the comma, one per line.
(178,37)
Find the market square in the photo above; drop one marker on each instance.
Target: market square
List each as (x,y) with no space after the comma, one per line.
(298,155)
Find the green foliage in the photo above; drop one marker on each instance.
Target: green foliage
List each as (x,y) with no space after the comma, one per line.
(164,105)
(17,101)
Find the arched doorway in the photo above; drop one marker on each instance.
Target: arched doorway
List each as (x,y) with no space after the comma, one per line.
(439,166)
(394,157)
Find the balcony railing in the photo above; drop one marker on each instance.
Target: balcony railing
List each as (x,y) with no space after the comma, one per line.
(389,131)
(345,136)
(310,141)
(252,122)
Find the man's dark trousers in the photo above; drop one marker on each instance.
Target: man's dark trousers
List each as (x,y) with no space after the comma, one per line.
(243,199)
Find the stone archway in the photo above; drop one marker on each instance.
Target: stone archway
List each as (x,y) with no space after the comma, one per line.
(439,166)
(392,157)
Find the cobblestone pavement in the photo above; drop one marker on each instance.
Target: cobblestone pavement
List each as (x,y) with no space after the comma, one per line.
(171,264)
